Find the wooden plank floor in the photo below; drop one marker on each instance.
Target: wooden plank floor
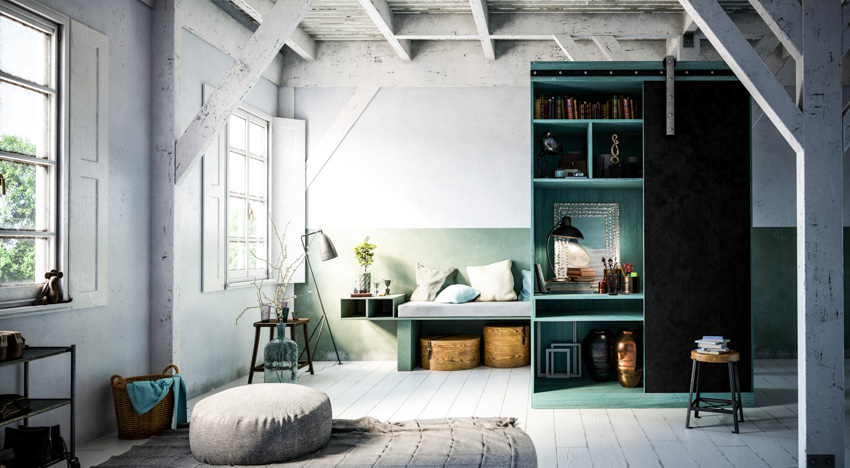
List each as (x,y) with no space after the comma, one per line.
(563,437)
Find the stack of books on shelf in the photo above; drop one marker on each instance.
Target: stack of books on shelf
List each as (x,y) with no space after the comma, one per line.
(564,286)
(581,275)
(712,345)
(565,107)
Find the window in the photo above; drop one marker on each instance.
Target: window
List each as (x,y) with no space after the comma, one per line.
(247,196)
(29,152)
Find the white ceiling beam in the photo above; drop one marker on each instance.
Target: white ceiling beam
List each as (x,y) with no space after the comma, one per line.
(381,14)
(785,19)
(610,48)
(765,46)
(688,24)
(481,17)
(748,67)
(846,120)
(300,42)
(338,130)
(541,27)
(784,71)
(570,48)
(249,65)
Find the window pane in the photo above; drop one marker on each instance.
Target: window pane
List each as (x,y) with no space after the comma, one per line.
(236,173)
(257,139)
(24,51)
(236,256)
(256,177)
(257,222)
(258,255)
(25,206)
(22,261)
(237,132)
(23,120)
(236,217)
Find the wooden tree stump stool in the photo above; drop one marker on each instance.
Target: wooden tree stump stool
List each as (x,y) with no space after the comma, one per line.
(448,352)
(507,345)
(716,405)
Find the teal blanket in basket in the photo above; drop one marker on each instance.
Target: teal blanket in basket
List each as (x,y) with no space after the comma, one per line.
(145,395)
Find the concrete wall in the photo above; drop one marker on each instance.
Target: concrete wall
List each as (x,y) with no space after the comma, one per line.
(212,350)
(112,339)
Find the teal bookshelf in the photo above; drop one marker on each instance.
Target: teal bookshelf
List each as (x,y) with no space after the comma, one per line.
(556,317)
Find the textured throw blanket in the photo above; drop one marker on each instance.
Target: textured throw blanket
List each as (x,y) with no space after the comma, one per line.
(367,442)
(144,395)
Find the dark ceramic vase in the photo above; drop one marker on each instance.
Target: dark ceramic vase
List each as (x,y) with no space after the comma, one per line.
(629,362)
(597,352)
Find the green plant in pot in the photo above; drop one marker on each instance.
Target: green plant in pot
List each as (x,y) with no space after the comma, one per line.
(365,254)
(280,354)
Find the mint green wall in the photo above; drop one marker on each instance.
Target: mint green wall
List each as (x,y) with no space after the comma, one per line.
(775,292)
(774,281)
(395,258)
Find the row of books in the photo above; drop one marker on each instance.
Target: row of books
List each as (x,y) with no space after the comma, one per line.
(564,107)
(712,345)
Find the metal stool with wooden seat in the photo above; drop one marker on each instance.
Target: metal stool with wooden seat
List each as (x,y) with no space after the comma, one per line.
(731,359)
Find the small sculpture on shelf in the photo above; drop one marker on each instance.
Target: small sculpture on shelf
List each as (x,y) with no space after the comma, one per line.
(387,283)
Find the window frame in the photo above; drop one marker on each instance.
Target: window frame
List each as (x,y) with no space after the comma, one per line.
(250,114)
(56,25)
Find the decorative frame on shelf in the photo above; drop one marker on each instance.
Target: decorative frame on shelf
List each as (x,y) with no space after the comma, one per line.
(600,224)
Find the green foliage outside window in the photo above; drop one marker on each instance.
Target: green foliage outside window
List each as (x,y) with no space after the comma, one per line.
(17,256)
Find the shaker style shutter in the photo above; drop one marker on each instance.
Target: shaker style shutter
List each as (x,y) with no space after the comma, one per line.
(288,188)
(214,214)
(88,165)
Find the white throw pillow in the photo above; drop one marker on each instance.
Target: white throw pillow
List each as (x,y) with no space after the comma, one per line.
(430,281)
(495,282)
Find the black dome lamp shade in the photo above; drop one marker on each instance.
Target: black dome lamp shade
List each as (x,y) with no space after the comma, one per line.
(549,145)
(564,230)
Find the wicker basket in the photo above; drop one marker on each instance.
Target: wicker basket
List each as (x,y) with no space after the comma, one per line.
(152,423)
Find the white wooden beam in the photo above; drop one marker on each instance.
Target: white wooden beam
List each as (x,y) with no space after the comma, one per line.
(748,67)
(846,121)
(338,130)
(300,42)
(611,49)
(688,24)
(541,27)
(570,48)
(820,242)
(784,72)
(765,46)
(260,50)
(784,18)
(382,16)
(481,17)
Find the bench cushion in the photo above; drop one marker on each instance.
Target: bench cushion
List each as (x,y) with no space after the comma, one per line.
(260,424)
(469,309)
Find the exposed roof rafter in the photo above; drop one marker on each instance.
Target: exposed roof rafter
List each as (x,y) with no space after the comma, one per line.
(481,17)
(785,19)
(610,47)
(382,15)
(570,48)
(300,42)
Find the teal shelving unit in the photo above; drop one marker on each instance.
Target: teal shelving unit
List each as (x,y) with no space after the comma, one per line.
(556,318)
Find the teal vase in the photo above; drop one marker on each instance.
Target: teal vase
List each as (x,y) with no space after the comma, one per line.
(281,359)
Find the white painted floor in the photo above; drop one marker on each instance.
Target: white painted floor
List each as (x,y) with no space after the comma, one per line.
(563,437)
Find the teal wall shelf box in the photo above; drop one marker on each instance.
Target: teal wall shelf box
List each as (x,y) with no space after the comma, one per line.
(705,168)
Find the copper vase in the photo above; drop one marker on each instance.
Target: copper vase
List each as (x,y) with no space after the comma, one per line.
(629,362)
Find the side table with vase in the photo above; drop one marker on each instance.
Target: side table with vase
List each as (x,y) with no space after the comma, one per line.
(272,325)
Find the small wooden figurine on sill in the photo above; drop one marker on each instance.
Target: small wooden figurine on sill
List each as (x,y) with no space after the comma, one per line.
(50,293)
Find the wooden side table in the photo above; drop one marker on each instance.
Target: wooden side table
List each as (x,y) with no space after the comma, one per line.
(291,325)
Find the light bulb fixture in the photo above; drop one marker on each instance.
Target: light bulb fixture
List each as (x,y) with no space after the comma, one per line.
(563,230)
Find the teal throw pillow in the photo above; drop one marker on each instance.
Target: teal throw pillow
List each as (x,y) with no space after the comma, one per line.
(527,286)
(457,294)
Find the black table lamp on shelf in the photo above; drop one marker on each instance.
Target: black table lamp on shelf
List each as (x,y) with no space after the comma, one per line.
(564,230)
(327,251)
(549,145)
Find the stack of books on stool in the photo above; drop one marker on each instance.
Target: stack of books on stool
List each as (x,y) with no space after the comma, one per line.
(712,345)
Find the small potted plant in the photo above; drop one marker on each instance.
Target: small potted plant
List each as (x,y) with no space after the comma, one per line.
(365,254)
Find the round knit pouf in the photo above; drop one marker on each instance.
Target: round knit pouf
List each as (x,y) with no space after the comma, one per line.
(259,424)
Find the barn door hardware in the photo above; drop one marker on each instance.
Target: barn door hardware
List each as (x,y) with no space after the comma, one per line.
(669,79)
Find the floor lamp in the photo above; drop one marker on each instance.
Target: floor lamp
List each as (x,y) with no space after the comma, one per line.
(327,252)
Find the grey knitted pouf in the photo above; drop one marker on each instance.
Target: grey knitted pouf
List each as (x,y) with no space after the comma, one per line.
(259,424)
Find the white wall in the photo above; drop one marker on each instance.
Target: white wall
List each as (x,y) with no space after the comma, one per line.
(112,339)
(422,158)
(211,349)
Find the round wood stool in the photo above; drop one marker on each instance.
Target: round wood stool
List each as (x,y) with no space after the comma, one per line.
(730,358)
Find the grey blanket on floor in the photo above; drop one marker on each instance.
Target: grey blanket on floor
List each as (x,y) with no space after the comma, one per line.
(453,442)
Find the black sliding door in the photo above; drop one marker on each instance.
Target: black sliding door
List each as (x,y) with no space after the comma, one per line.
(697,229)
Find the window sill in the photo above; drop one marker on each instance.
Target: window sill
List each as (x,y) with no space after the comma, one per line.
(26,311)
(246,284)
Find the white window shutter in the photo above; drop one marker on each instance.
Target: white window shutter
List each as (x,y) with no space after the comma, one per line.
(88,166)
(288,187)
(214,214)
